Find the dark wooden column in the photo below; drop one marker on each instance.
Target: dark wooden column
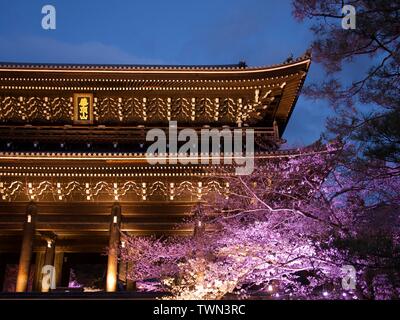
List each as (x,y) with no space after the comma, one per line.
(50,253)
(199,226)
(112,265)
(58,264)
(37,280)
(26,248)
(130,284)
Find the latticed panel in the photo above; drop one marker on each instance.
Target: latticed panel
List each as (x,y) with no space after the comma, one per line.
(132,110)
(35,109)
(107,110)
(205,110)
(180,110)
(9,109)
(92,189)
(156,109)
(227,110)
(59,109)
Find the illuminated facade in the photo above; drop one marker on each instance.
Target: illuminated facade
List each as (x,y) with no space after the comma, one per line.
(73,171)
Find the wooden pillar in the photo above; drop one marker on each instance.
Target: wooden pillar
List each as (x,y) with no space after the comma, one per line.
(130,284)
(58,264)
(112,264)
(199,226)
(26,248)
(124,270)
(199,229)
(37,279)
(276,130)
(49,255)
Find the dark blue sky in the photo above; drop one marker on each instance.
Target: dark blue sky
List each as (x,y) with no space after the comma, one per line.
(260,32)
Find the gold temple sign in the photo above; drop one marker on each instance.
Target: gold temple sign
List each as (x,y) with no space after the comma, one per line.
(83,105)
(83,108)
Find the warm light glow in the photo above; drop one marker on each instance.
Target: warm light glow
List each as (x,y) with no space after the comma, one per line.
(111,282)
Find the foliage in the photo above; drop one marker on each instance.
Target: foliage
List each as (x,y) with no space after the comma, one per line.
(286,230)
(368,108)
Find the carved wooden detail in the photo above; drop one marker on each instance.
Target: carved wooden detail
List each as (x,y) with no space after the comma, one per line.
(108,190)
(136,110)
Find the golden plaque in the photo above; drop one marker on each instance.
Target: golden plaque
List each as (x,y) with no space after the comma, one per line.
(83,108)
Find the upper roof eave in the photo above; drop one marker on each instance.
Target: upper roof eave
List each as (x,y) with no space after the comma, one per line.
(210,69)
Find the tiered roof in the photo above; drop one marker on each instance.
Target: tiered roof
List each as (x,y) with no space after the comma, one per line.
(152,95)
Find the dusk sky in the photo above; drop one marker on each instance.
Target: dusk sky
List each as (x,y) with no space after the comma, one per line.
(165,32)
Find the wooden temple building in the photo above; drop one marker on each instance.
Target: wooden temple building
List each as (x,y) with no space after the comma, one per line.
(73,171)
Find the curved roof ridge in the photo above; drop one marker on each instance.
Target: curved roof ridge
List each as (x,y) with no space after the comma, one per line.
(239,66)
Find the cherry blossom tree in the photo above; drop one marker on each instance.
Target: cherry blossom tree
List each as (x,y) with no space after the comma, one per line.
(289,229)
(285,231)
